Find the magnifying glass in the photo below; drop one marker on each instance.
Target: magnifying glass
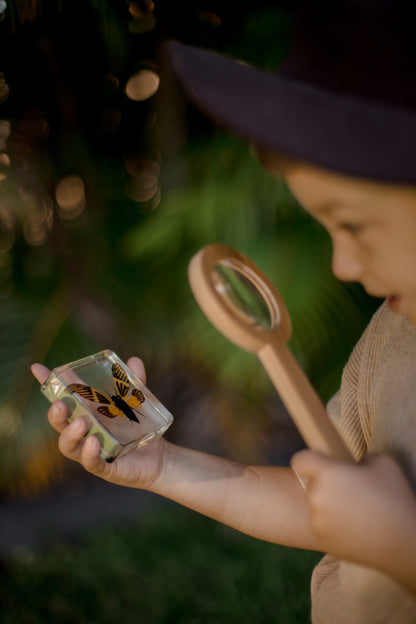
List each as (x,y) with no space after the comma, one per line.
(243,304)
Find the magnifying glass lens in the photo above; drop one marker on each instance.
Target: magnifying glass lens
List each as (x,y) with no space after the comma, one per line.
(242,295)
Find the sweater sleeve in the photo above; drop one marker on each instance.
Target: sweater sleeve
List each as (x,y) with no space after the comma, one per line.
(348,407)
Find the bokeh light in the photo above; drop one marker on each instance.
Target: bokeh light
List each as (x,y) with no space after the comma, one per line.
(37,216)
(4,165)
(4,88)
(4,159)
(4,132)
(144,182)
(211,18)
(142,85)
(70,196)
(144,20)
(138,11)
(7,223)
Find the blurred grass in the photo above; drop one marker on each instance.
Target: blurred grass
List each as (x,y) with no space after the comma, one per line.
(172,567)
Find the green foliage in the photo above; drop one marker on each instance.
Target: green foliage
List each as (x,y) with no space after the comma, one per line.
(172,567)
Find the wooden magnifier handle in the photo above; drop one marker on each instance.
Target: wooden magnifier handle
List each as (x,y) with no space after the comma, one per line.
(302,401)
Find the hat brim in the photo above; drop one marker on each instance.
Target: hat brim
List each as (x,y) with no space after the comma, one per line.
(358,137)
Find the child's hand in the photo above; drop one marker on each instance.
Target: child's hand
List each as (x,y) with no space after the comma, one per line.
(138,468)
(364,513)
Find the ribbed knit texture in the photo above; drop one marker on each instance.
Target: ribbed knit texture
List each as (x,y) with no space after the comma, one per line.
(375,411)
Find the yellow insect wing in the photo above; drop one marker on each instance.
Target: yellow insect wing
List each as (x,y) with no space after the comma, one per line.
(136,398)
(115,411)
(121,381)
(89,393)
(111,411)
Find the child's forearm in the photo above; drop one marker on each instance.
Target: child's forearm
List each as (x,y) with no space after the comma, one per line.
(264,502)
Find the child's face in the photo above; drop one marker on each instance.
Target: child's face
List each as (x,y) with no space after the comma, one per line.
(372,226)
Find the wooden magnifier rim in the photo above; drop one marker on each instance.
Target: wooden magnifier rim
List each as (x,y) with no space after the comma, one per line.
(226,318)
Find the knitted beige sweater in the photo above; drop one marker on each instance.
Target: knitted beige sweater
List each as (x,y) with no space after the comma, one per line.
(375,411)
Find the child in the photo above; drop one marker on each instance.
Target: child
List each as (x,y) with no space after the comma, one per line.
(338,123)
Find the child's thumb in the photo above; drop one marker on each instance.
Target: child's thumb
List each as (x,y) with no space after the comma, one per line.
(307,464)
(136,365)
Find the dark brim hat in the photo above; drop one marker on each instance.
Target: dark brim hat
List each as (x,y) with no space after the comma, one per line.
(344,99)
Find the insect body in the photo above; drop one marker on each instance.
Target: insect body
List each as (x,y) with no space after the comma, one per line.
(117,404)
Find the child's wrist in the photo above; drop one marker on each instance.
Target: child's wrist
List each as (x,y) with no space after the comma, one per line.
(159,482)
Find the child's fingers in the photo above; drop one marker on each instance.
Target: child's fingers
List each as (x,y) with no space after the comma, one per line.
(40,371)
(136,365)
(91,459)
(58,415)
(72,443)
(308,463)
(71,439)
(309,467)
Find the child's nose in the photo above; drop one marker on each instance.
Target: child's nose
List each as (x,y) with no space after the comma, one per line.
(345,266)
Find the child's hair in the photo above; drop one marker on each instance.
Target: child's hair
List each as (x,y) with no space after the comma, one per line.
(273,161)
